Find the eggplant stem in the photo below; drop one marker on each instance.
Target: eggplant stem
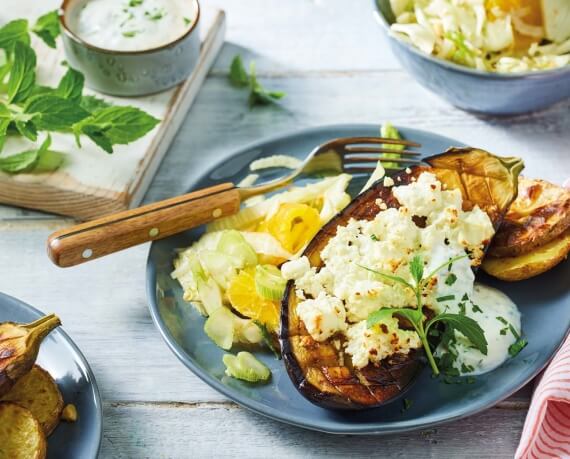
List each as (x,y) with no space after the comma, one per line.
(41,327)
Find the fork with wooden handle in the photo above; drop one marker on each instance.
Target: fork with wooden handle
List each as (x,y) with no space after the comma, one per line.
(97,238)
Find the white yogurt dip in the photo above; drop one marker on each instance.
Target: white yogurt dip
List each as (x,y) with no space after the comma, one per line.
(495,313)
(133,25)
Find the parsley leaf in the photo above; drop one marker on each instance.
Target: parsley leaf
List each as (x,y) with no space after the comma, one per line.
(47,28)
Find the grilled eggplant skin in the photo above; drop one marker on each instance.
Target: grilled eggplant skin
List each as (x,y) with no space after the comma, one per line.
(319,370)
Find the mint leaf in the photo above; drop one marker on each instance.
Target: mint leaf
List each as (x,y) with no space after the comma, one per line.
(238,75)
(71,85)
(466,325)
(54,113)
(122,125)
(14,32)
(23,73)
(47,28)
(417,269)
(92,103)
(391,277)
(24,161)
(415,316)
(116,125)
(258,94)
(27,129)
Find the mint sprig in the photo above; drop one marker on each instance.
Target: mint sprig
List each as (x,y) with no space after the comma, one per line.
(465,325)
(28,109)
(239,78)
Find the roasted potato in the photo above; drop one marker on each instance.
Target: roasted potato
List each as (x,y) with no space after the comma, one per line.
(38,392)
(539,215)
(21,435)
(529,264)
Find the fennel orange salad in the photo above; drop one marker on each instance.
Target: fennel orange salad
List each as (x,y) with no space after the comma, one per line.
(232,276)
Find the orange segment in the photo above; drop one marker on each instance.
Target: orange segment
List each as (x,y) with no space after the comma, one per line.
(244,299)
(293,225)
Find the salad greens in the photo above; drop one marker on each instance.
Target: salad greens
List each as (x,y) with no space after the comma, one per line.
(28,109)
(465,325)
(239,78)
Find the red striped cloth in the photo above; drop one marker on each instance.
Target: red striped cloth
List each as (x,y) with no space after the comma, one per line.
(546,432)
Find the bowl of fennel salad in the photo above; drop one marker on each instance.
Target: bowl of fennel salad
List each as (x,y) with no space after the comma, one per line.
(489,56)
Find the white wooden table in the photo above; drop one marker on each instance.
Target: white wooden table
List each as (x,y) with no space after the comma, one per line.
(333,62)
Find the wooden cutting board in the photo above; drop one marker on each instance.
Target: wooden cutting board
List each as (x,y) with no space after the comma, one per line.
(91,183)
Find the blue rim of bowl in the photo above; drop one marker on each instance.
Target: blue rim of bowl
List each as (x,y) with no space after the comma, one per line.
(82,360)
(260,408)
(62,13)
(539,74)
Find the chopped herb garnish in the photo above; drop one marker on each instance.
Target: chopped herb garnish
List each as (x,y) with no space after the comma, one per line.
(187,21)
(133,3)
(130,33)
(465,368)
(374,237)
(461,308)
(513,331)
(451,278)
(465,297)
(407,404)
(517,346)
(476,308)
(441,299)
(504,331)
(155,15)
(502,320)
(470,379)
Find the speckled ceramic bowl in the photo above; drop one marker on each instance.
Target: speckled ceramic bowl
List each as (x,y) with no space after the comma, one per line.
(131,73)
(475,90)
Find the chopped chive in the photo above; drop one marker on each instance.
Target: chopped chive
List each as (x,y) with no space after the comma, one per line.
(502,320)
(130,33)
(445,298)
(517,346)
(374,237)
(451,278)
(476,308)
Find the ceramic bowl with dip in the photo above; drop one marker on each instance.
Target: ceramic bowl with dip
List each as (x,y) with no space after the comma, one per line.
(131,47)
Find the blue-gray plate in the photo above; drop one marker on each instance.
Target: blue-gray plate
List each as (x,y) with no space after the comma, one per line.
(544,302)
(63,360)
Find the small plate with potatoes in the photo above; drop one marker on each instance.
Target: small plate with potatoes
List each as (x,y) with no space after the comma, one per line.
(49,401)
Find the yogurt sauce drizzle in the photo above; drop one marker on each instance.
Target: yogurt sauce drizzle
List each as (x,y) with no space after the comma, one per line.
(494,311)
(133,25)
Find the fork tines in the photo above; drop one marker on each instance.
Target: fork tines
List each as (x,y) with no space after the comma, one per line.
(354,148)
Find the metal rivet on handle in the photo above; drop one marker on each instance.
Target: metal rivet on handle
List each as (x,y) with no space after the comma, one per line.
(153,232)
(217,213)
(87,253)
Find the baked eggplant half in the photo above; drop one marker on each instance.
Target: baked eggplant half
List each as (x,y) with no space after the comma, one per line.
(320,370)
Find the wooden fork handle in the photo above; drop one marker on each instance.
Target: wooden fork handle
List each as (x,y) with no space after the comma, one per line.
(110,234)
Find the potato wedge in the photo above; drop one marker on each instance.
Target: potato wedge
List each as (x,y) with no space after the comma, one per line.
(21,435)
(38,392)
(529,264)
(539,215)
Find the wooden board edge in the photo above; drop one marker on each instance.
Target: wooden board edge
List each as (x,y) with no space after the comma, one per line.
(181,101)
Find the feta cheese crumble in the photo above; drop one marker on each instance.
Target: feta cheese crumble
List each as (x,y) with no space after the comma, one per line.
(338,297)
